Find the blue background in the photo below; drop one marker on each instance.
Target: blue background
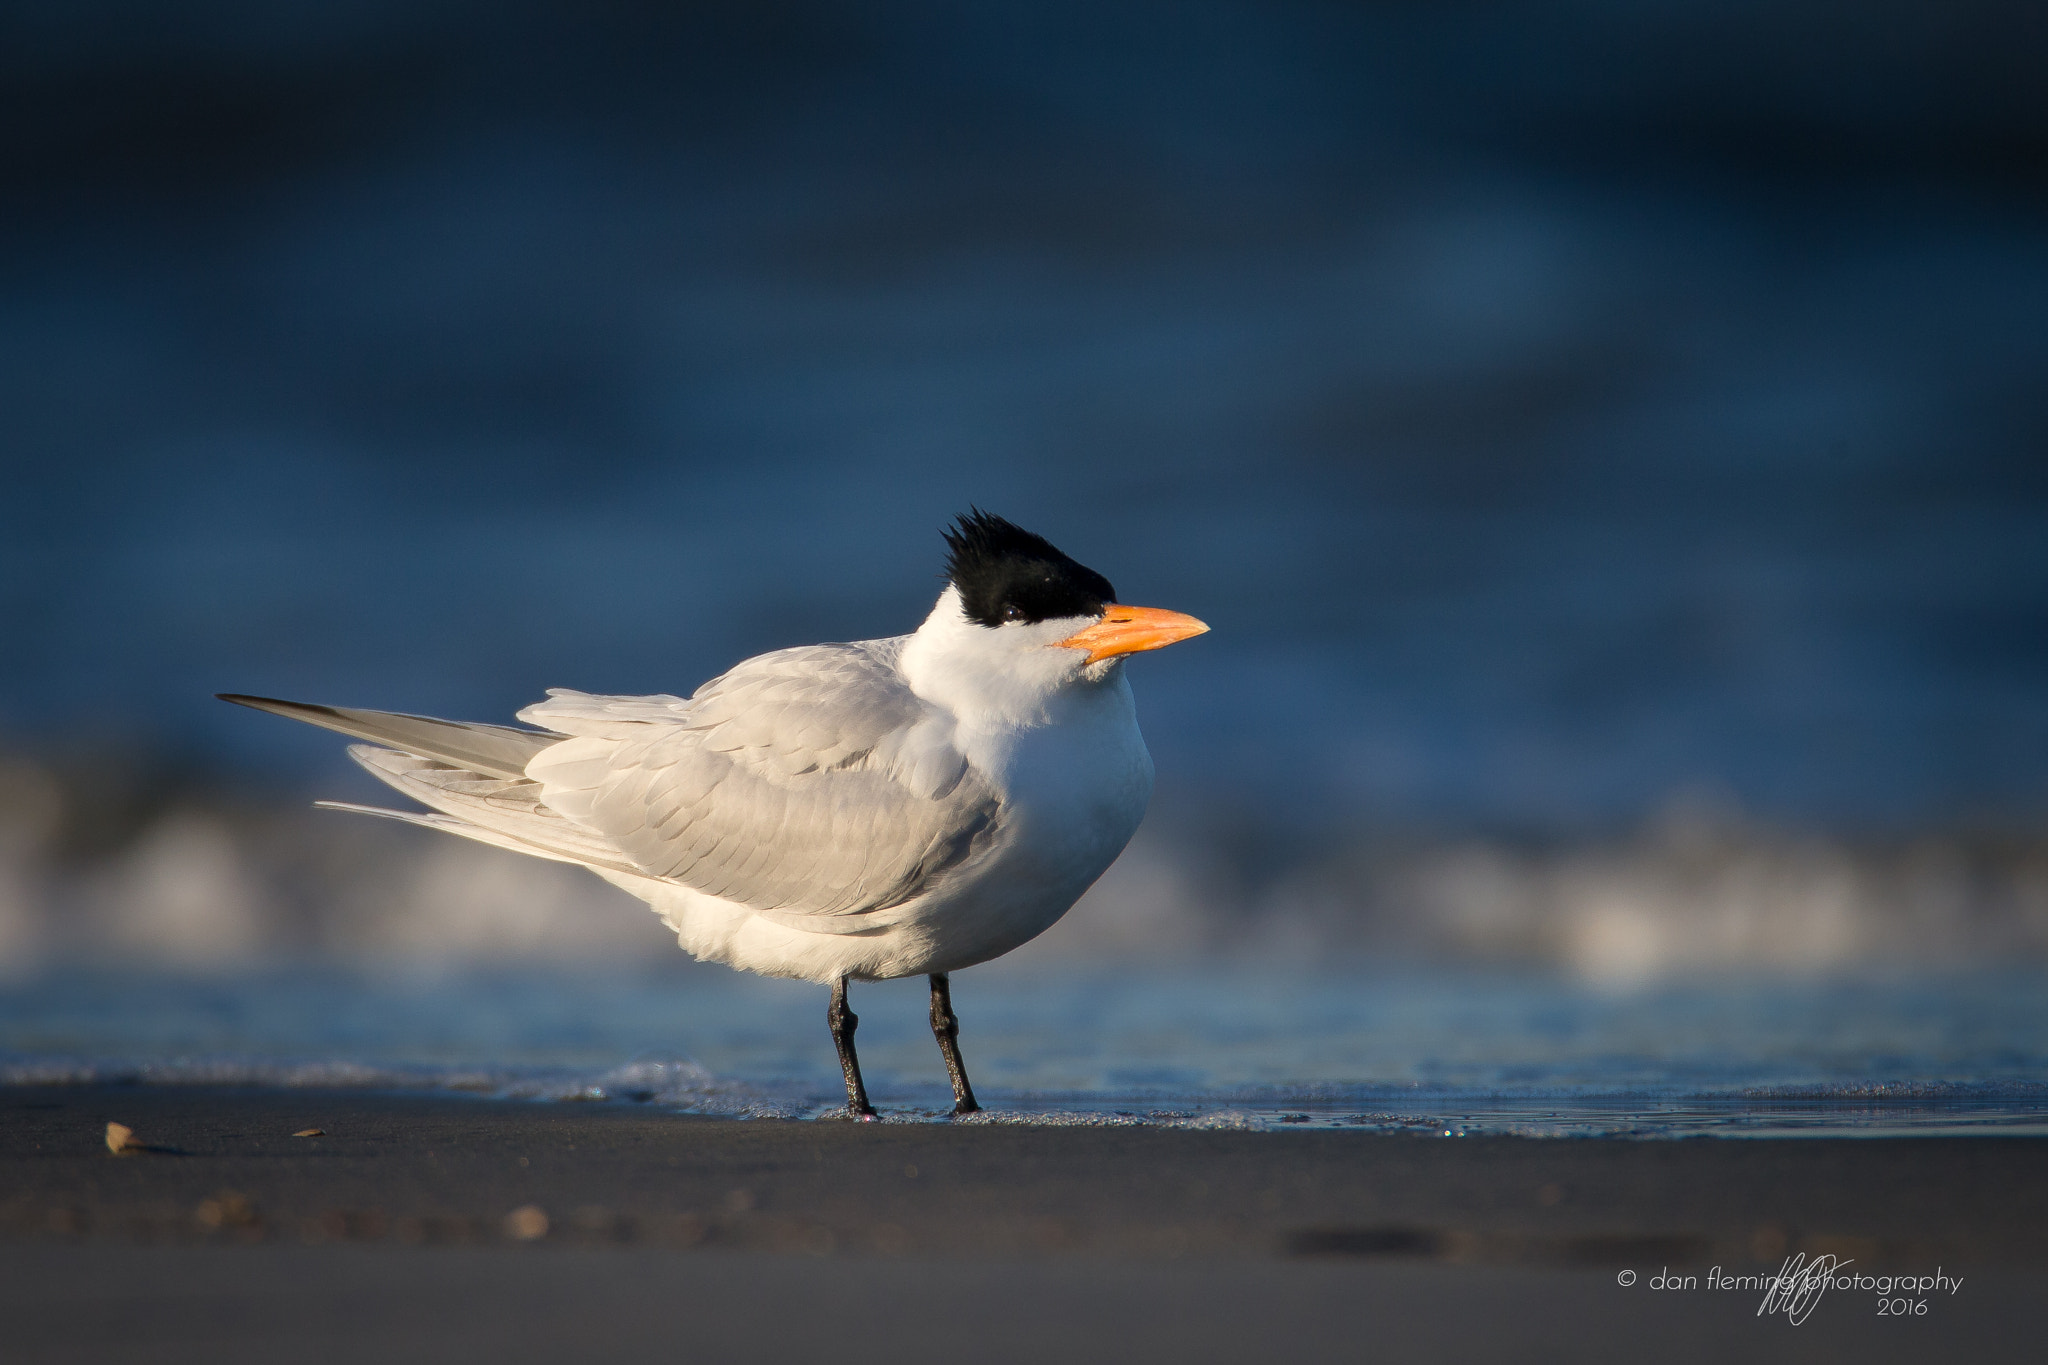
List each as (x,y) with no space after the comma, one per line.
(1553,408)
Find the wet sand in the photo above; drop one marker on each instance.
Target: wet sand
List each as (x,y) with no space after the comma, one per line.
(443,1227)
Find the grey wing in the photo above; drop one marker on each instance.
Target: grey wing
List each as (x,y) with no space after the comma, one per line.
(808,781)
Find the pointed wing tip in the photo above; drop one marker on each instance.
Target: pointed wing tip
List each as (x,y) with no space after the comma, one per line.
(259,703)
(277,706)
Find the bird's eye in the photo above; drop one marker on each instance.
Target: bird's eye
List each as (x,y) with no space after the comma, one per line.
(1013,612)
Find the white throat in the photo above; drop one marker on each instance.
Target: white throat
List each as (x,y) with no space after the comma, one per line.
(1010,676)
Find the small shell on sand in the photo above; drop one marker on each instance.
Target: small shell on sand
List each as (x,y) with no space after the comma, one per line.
(527,1223)
(311,1132)
(121,1140)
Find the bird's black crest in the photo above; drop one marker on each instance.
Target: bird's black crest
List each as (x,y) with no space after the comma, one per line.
(1004,573)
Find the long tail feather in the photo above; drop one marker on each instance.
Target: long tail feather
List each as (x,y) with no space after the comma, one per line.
(448,824)
(494,750)
(509,808)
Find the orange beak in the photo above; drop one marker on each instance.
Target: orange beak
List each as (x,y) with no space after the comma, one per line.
(1131,630)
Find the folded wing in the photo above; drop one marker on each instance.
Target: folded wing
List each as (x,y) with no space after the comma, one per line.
(805,782)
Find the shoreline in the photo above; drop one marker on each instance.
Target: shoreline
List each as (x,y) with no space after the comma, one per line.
(1862,1110)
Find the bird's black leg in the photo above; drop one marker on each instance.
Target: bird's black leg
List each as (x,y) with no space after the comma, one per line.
(947,1030)
(844,1021)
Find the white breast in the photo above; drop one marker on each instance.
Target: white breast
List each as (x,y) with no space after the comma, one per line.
(1073,793)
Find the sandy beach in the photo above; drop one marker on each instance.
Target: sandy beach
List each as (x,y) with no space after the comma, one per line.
(445,1227)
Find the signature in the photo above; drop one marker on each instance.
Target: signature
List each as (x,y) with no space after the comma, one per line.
(1798,1286)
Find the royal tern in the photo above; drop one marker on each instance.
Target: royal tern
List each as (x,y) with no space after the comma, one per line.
(864,811)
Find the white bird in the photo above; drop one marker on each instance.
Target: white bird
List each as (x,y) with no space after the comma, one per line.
(862,811)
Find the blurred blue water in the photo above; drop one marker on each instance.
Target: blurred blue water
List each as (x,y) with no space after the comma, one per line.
(1422,1050)
(1541,435)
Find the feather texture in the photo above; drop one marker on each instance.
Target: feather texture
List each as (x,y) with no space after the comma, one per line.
(808,781)
(508,807)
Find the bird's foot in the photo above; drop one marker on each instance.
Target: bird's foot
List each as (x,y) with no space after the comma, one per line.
(966,1107)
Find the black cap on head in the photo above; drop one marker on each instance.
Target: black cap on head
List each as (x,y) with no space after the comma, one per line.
(1004,573)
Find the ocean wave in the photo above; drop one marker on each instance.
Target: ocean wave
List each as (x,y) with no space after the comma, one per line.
(1695,891)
